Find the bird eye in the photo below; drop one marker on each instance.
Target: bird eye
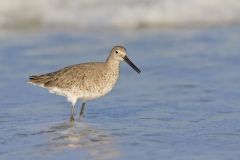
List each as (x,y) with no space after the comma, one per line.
(116,52)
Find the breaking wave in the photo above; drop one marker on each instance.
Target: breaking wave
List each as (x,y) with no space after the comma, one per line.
(117,14)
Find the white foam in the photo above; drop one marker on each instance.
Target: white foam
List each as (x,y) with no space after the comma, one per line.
(108,14)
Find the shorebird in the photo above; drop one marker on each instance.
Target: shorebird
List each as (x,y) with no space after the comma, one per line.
(85,81)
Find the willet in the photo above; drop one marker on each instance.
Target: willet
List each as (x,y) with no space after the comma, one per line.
(86,81)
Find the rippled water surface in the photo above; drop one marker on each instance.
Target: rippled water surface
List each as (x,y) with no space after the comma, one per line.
(184,105)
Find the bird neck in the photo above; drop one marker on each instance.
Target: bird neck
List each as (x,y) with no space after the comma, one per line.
(113,63)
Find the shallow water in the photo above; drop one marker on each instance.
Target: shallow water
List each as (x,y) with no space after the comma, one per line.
(184,105)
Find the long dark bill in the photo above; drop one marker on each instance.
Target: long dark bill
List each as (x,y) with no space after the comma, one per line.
(132,65)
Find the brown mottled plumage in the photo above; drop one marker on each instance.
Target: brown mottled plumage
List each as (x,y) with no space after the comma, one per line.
(85,81)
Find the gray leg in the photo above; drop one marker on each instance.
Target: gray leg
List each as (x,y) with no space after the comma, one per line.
(72,113)
(81,114)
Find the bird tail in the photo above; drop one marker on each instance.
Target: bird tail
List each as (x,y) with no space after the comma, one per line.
(42,79)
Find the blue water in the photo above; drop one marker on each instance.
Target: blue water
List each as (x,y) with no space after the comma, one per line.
(184,105)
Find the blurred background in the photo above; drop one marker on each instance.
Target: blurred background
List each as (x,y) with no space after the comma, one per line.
(118,14)
(183,106)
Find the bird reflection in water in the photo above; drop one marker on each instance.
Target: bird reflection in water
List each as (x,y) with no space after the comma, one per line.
(81,135)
